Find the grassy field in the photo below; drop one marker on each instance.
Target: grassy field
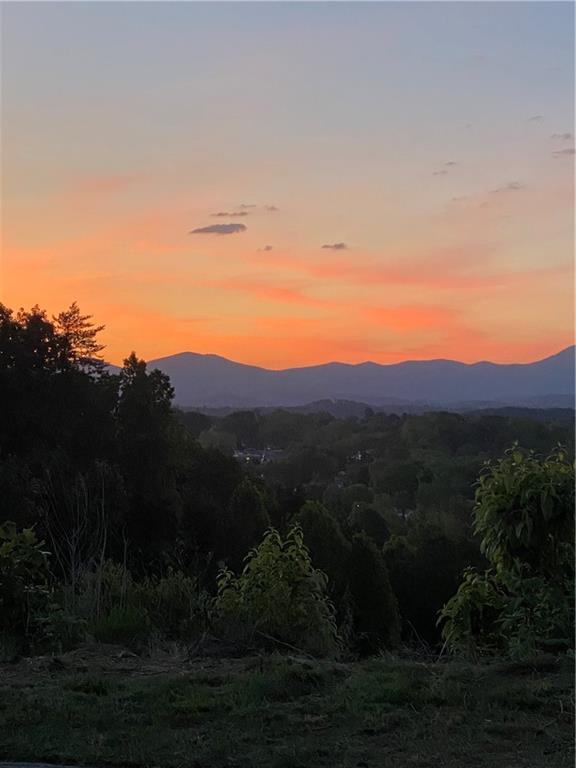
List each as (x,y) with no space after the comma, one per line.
(104,706)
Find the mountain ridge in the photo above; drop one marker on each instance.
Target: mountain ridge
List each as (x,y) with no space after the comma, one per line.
(214,356)
(212,380)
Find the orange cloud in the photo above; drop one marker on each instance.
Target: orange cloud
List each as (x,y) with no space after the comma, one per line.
(269,291)
(141,276)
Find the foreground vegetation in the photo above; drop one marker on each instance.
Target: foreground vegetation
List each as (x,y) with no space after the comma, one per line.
(134,547)
(108,707)
(121,518)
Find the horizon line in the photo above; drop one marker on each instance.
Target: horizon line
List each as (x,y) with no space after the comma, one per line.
(351,365)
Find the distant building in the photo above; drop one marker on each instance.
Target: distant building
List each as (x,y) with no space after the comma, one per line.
(258,455)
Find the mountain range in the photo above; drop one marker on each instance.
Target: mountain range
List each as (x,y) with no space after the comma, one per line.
(212,381)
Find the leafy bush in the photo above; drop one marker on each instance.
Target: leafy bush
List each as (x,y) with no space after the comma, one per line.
(524,511)
(471,616)
(517,613)
(524,602)
(538,613)
(24,579)
(279,596)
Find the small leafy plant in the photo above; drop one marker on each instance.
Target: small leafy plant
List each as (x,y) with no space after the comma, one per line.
(279,596)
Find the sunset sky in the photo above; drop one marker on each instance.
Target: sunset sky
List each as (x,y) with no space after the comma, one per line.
(380,181)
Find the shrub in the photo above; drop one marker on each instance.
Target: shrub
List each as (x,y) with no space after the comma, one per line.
(471,615)
(524,602)
(174,603)
(57,630)
(279,596)
(537,614)
(122,625)
(107,586)
(24,579)
(514,612)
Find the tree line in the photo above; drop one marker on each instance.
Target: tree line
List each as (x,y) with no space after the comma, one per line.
(353,538)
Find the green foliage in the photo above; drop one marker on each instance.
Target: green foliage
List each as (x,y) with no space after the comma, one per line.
(327,544)
(147,440)
(525,601)
(247,520)
(279,595)
(57,630)
(515,613)
(244,426)
(525,510)
(111,473)
(375,608)
(471,616)
(366,607)
(91,686)
(24,579)
(122,625)
(219,439)
(371,522)
(425,569)
(280,679)
(537,614)
(174,605)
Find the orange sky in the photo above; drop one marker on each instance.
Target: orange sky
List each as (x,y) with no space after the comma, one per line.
(454,218)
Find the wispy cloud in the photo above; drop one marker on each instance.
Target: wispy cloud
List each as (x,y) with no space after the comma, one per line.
(443,171)
(227,214)
(266,248)
(335,246)
(512,186)
(253,207)
(562,136)
(568,152)
(535,118)
(219,229)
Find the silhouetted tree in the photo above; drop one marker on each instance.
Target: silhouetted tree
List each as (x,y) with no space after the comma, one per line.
(375,607)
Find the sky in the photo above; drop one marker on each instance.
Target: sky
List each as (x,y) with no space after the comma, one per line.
(287,184)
